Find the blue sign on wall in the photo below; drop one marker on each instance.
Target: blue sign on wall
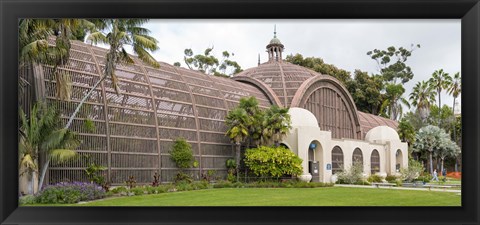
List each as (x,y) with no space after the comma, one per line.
(329,166)
(313,146)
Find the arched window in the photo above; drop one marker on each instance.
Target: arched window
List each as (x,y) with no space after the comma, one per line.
(357,156)
(398,160)
(337,160)
(375,162)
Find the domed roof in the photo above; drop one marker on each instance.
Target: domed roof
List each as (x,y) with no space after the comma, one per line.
(302,118)
(382,134)
(275,40)
(282,77)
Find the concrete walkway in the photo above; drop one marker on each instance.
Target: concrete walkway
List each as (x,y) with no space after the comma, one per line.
(398,188)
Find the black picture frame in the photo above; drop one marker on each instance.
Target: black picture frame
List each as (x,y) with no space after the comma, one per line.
(466,10)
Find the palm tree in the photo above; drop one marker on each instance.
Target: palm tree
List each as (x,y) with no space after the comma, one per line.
(440,81)
(277,123)
(422,97)
(117,33)
(455,90)
(40,135)
(392,105)
(250,105)
(237,122)
(34,47)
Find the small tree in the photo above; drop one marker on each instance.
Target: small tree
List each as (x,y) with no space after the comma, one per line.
(415,168)
(182,155)
(237,122)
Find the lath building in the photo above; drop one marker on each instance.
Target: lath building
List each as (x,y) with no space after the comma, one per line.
(135,130)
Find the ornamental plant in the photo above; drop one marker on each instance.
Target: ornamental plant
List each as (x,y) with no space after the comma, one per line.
(415,168)
(273,162)
(68,193)
(182,155)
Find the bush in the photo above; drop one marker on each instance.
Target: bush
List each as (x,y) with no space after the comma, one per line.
(413,171)
(351,176)
(182,154)
(391,179)
(68,193)
(118,190)
(273,162)
(27,199)
(374,179)
(138,190)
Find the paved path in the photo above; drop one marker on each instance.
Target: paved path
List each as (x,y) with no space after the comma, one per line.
(398,188)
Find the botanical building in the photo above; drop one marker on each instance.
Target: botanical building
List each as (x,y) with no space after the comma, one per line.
(134,130)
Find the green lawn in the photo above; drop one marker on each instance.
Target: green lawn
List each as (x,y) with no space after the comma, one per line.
(334,196)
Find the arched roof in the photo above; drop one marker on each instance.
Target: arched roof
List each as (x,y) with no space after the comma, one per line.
(282,77)
(369,121)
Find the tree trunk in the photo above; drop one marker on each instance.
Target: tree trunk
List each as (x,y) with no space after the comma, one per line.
(69,123)
(431,162)
(454,122)
(237,161)
(439,108)
(442,166)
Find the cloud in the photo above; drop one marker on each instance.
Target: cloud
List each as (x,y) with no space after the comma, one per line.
(343,43)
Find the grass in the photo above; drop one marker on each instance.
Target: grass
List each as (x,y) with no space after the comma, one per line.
(333,196)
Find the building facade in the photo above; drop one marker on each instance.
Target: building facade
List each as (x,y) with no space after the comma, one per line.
(134,131)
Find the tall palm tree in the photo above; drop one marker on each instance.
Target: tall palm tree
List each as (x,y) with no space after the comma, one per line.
(455,90)
(440,81)
(392,105)
(40,135)
(237,122)
(277,123)
(422,97)
(117,33)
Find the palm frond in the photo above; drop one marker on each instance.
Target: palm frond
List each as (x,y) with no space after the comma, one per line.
(146,57)
(97,37)
(62,155)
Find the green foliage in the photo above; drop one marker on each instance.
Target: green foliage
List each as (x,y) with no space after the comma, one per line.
(120,189)
(422,97)
(230,164)
(318,65)
(392,63)
(273,162)
(89,125)
(392,104)
(374,179)
(182,177)
(209,64)
(272,184)
(277,123)
(413,171)
(366,91)
(406,131)
(93,173)
(353,175)
(182,153)
(391,179)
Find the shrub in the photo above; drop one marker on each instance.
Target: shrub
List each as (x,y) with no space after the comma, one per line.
(131,182)
(27,199)
(273,162)
(181,177)
(138,190)
(118,190)
(68,193)
(374,179)
(93,173)
(391,179)
(182,154)
(413,171)
(351,176)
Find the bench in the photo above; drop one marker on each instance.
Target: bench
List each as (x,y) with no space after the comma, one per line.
(429,186)
(383,184)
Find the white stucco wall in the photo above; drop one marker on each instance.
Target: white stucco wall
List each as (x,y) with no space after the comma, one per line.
(305,130)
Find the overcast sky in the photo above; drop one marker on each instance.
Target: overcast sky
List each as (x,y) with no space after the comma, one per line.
(343,43)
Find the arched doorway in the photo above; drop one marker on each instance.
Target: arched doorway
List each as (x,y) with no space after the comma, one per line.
(357,157)
(398,160)
(374,162)
(337,160)
(315,165)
